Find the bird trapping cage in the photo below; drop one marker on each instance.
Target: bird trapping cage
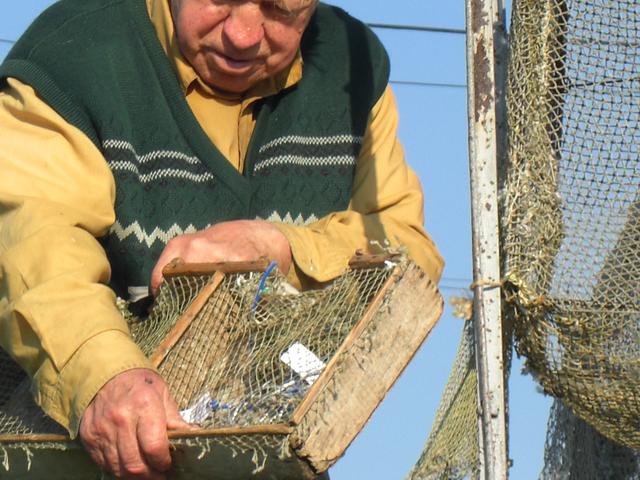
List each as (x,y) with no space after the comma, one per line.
(280,381)
(571,234)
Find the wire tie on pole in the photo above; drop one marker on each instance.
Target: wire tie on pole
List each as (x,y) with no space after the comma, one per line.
(485,284)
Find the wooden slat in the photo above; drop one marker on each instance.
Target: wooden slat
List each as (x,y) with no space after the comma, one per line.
(33,438)
(186,318)
(355,333)
(177,267)
(272,429)
(367,260)
(365,369)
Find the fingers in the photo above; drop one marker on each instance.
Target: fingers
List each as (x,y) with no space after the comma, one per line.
(133,460)
(124,429)
(174,419)
(115,451)
(156,277)
(176,422)
(90,441)
(238,240)
(156,274)
(178,247)
(154,443)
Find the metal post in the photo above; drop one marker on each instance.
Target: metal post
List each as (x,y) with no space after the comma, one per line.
(486,44)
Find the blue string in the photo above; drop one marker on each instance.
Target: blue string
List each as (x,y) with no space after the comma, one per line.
(261,285)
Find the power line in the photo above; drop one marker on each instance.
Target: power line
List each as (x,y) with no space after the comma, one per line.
(455,284)
(417,28)
(384,26)
(428,84)
(457,280)
(444,285)
(453,288)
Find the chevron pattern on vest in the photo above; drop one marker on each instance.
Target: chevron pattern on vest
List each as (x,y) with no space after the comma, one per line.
(288,218)
(157,235)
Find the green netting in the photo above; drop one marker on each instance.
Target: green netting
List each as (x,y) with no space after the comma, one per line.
(571,234)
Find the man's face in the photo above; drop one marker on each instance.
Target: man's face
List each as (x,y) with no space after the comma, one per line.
(233,44)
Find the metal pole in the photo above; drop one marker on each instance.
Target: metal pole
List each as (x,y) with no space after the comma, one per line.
(486,43)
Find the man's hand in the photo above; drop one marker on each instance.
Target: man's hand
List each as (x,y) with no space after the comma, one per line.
(236,241)
(124,428)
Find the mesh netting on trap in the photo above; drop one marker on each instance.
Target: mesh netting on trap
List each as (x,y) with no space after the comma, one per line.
(247,356)
(280,381)
(257,345)
(571,228)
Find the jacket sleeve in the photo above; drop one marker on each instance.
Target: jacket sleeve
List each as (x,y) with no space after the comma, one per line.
(386,209)
(58,319)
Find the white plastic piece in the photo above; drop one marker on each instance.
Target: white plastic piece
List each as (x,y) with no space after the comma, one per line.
(303,361)
(199,411)
(137,293)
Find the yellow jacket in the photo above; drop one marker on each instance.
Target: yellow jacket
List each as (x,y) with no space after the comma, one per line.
(57,317)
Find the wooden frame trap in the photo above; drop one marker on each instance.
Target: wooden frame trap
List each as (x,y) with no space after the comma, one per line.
(281,381)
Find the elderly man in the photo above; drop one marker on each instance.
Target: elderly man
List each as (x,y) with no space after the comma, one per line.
(133,132)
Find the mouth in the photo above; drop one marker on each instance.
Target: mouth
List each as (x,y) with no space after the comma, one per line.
(237,66)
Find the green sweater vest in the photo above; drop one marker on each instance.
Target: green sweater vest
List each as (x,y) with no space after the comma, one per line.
(99,64)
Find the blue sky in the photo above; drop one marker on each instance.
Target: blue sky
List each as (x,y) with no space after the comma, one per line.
(433,128)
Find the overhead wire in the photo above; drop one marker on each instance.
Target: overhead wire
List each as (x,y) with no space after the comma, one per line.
(417,28)
(418,83)
(421,28)
(453,288)
(382,26)
(455,284)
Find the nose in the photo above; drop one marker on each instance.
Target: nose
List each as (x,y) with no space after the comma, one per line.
(244,27)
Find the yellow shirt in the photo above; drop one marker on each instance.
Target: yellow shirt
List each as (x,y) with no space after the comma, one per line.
(57,317)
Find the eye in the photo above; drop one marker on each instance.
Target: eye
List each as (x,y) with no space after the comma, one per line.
(277,9)
(224,3)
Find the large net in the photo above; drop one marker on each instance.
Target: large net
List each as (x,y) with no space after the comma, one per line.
(571,234)
(451,451)
(570,241)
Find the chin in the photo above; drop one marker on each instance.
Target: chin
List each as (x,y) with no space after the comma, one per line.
(233,85)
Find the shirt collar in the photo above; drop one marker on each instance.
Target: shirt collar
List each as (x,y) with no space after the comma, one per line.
(160,15)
